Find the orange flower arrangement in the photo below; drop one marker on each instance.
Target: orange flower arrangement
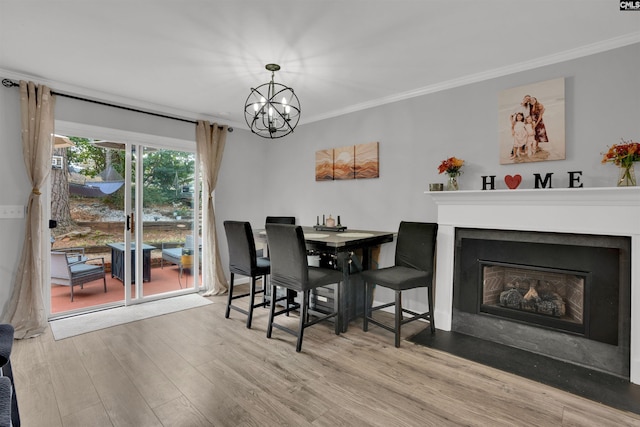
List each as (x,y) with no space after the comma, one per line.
(624,154)
(451,166)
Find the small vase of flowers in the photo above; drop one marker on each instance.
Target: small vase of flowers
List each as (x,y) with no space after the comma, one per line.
(452,167)
(624,155)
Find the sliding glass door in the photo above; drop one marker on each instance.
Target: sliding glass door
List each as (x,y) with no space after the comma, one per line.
(166,212)
(136,207)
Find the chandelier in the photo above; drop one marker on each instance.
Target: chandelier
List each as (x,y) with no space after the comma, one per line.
(272,110)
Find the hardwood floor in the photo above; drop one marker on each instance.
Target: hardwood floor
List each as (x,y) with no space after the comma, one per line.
(195,368)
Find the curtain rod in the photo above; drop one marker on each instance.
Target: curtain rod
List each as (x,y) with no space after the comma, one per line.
(10,83)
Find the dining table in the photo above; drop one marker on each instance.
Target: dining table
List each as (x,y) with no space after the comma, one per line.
(348,250)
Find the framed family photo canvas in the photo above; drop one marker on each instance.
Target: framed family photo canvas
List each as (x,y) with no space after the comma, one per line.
(531,122)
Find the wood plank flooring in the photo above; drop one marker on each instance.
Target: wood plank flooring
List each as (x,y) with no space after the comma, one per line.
(196,368)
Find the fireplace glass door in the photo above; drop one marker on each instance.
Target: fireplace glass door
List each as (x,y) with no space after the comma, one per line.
(544,296)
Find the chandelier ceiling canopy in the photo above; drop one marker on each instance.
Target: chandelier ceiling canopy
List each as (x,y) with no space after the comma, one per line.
(272,110)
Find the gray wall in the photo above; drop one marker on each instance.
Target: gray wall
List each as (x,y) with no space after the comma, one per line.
(14,190)
(261,177)
(602,98)
(602,94)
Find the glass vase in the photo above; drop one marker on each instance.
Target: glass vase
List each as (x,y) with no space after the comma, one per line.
(627,177)
(452,183)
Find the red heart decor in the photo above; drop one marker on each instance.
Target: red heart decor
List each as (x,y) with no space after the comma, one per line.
(512,181)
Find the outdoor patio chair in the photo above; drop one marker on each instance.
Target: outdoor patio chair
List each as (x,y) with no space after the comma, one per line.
(180,255)
(172,252)
(75,270)
(74,254)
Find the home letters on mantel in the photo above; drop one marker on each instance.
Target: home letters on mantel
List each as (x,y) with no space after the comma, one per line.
(489,181)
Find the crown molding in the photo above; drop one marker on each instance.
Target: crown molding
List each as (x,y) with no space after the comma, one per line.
(564,56)
(567,55)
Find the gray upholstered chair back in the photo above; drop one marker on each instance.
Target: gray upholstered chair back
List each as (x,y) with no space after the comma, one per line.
(242,247)
(288,255)
(281,220)
(416,245)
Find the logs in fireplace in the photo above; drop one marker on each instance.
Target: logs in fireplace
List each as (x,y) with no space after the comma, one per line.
(543,296)
(528,298)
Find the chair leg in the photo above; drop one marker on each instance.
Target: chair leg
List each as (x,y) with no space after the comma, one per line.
(367,308)
(304,313)
(104,279)
(229,297)
(264,289)
(252,296)
(289,300)
(432,324)
(272,310)
(336,308)
(71,293)
(398,317)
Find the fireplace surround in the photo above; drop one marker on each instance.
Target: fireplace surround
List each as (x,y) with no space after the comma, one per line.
(580,212)
(561,295)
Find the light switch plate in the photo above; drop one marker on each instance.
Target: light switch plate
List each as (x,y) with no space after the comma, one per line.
(11,212)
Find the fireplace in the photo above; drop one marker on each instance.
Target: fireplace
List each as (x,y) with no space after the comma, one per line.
(604,218)
(562,295)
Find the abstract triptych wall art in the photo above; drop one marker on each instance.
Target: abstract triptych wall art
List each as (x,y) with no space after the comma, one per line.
(353,162)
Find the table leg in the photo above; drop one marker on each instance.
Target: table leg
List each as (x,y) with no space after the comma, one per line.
(344,291)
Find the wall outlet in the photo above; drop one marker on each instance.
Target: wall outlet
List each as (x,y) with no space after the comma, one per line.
(11,212)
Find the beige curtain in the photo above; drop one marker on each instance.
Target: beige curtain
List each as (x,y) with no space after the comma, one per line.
(210,140)
(26,308)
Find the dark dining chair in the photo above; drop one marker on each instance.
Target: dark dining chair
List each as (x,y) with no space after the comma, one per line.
(414,268)
(265,251)
(280,220)
(290,270)
(243,261)
(275,220)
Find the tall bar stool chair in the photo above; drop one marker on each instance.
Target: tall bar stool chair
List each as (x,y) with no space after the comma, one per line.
(414,268)
(275,220)
(290,270)
(280,220)
(243,261)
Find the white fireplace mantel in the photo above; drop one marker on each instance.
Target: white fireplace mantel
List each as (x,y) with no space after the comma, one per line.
(600,211)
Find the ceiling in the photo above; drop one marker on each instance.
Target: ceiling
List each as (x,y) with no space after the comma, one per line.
(199,59)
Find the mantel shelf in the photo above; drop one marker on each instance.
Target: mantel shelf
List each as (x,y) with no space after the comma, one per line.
(599,196)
